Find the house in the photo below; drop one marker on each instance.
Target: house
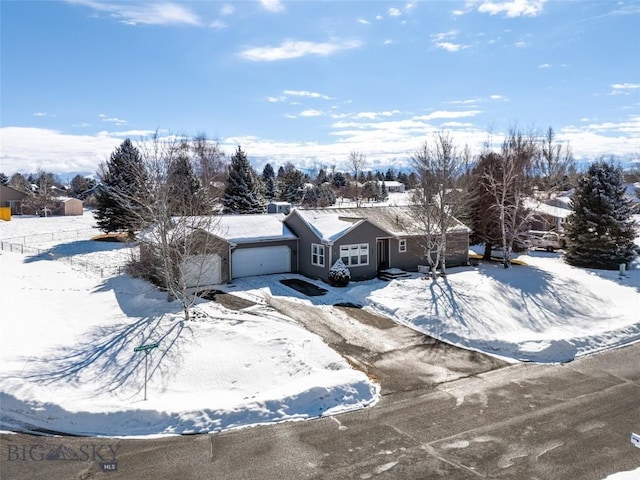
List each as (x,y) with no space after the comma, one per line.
(367,240)
(309,242)
(12,198)
(548,216)
(394,187)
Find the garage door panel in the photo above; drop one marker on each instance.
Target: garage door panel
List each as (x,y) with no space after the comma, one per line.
(246,262)
(201,270)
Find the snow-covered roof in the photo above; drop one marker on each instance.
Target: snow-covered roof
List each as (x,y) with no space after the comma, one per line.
(332,223)
(393,183)
(233,228)
(545,209)
(252,228)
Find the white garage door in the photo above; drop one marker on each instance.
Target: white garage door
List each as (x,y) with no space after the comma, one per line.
(201,270)
(260,261)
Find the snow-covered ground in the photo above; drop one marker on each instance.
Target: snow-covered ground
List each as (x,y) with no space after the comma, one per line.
(67,360)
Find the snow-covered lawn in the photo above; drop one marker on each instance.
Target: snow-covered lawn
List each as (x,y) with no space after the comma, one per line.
(67,360)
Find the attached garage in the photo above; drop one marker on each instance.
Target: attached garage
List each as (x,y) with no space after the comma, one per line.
(201,270)
(246,262)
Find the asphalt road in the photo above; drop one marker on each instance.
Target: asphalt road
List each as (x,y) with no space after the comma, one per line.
(527,421)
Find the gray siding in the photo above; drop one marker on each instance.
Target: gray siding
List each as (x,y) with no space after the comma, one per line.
(305,238)
(365,233)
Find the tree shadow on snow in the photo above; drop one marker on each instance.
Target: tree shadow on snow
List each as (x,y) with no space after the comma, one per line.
(78,247)
(104,355)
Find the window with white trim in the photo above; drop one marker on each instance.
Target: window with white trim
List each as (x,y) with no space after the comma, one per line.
(317,255)
(402,245)
(354,255)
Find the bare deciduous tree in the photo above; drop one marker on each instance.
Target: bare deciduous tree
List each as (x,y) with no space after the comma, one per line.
(176,251)
(439,196)
(507,182)
(555,164)
(357,161)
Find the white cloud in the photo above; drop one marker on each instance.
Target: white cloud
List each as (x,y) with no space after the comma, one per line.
(521,44)
(272,5)
(295,49)
(227,9)
(545,65)
(378,17)
(448,114)
(387,42)
(438,37)
(275,99)
(394,12)
(311,113)
(306,93)
(450,47)
(218,25)
(497,97)
(623,88)
(27,149)
(43,114)
(146,13)
(514,8)
(114,120)
(363,21)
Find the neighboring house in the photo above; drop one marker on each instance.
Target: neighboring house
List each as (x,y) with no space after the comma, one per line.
(367,240)
(309,242)
(393,186)
(12,198)
(550,215)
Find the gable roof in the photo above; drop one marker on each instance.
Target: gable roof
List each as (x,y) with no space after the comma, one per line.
(330,224)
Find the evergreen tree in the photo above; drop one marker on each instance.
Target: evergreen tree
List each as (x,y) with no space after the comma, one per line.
(269,181)
(186,195)
(123,179)
(242,192)
(600,231)
(318,197)
(292,184)
(339,180)
(390,175)
(322,177)
(383,194)
(4,180)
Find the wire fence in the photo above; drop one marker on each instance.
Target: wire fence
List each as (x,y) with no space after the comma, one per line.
(36,238)
(24,246)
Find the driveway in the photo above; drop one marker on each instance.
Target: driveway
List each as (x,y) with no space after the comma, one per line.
(399,358)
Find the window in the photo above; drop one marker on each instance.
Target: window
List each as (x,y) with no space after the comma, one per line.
(352,255)
(317,255)
(402,246)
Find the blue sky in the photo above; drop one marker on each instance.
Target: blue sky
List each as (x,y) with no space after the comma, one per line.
(310,82)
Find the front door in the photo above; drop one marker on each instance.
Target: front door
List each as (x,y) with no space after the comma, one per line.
(383,253)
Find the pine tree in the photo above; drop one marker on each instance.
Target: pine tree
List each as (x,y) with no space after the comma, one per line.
(122,180)
(4,180)
(186,195)
(269,181)
(242,193)
(384,194)
(600,231)
(292,184)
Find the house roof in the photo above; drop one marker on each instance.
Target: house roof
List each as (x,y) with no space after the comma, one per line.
(544,209)
(332,223)
(251,228)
